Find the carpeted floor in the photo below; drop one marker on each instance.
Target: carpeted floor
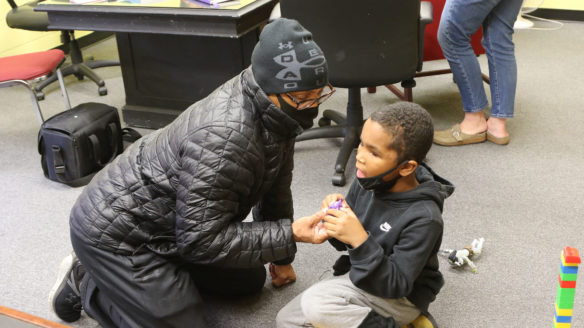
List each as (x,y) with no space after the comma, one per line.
(526,199)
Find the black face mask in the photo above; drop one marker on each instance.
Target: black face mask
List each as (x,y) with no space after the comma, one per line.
(304,117)
(377,184)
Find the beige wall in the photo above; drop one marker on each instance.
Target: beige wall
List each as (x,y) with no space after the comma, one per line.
(556,4)
(14,41)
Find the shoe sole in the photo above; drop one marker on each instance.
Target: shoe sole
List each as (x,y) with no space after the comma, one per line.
(474,140)
(498,140)
(64,269)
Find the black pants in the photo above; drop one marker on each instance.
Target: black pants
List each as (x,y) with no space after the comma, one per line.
(147,290)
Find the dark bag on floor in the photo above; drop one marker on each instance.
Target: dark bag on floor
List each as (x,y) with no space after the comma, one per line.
(77,143)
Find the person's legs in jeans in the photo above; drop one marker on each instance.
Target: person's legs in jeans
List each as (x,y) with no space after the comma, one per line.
(498,43)
(460,19)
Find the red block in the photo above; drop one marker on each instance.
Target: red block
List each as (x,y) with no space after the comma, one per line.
(571,255)
(566,284)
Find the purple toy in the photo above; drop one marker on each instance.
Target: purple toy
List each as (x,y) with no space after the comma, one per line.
(336,205)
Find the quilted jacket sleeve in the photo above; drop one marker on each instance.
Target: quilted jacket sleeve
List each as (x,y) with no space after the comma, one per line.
(277,203)
(218,168)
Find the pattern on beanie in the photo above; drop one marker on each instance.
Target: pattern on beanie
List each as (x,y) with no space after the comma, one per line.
(292,70)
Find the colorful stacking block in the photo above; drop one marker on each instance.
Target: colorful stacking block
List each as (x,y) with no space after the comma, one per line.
(571,255)
(562,325)
(566,288)
(563,312)
(566,284)
(563,319)
(568,269)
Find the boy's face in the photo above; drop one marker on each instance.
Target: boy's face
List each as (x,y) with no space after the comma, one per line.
(374,155)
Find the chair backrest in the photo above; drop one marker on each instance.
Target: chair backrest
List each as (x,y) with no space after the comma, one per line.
(366,42)
(25,18)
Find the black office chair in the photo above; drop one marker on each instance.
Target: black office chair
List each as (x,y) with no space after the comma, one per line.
(367,43)
(24,17)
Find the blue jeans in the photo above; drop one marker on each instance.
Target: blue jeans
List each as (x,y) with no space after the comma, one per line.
(462,18)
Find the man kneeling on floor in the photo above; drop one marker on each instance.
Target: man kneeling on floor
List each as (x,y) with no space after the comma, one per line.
(163,223)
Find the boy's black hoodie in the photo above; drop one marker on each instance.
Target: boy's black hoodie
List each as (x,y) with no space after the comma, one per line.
(399,258)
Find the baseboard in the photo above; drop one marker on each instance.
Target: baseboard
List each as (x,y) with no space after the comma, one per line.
(559,14)
(90,39)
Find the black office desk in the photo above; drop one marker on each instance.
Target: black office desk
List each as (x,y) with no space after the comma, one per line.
(173,52)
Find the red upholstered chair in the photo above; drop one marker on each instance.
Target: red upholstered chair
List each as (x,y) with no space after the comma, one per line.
(432,49)
(25,69)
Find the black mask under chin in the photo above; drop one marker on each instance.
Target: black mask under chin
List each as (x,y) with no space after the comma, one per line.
(377,184)
(304,117)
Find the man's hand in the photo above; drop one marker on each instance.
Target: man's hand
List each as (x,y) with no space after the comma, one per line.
(329,199)
(308,230)
(282,274)
(344,225)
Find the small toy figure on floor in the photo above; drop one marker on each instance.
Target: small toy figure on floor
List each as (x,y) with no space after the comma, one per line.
(459,257)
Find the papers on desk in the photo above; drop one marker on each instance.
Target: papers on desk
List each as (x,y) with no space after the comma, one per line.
(214,2)
(80,2)
(144,2)
(211,3)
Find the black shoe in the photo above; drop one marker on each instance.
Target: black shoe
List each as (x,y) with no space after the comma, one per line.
(64,297)
(375,320)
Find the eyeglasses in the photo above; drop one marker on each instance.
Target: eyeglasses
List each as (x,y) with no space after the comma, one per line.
(307,103)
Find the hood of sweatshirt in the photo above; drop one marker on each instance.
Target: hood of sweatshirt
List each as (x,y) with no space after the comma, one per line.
(431,187)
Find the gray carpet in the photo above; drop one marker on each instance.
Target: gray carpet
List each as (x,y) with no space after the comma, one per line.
(525,199)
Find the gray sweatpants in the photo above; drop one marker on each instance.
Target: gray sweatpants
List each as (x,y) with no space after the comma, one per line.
(338,303)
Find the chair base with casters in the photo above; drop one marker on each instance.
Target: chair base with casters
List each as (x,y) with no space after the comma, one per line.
(24,17)
(448,71)
(406,95)
(78,67)
(22,69)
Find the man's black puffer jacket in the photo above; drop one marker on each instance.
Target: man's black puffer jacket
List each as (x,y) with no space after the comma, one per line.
(184,190)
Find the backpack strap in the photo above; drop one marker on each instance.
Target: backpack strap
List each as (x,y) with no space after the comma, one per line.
(130,135)
(58,163)
(113,139)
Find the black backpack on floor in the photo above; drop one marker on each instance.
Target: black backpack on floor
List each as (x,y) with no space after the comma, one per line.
(77,143)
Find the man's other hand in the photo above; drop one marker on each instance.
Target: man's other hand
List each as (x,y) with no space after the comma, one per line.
(282,274)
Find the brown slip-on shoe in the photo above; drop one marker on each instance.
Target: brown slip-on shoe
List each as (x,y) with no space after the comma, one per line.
(455,137)
(498,140)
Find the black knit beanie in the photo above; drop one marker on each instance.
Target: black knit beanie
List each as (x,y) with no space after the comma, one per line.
(287,59)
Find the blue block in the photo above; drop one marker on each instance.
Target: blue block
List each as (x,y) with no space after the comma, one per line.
(563,319)
(568,269)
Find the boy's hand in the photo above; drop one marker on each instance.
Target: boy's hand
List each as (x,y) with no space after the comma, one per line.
(329,199)
(282,274)
(345,226)
(308,230)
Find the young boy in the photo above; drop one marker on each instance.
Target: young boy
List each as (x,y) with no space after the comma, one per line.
(391,225)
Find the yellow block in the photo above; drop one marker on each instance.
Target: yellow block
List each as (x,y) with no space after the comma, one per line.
(568,264)
(563,312)
(561,324)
